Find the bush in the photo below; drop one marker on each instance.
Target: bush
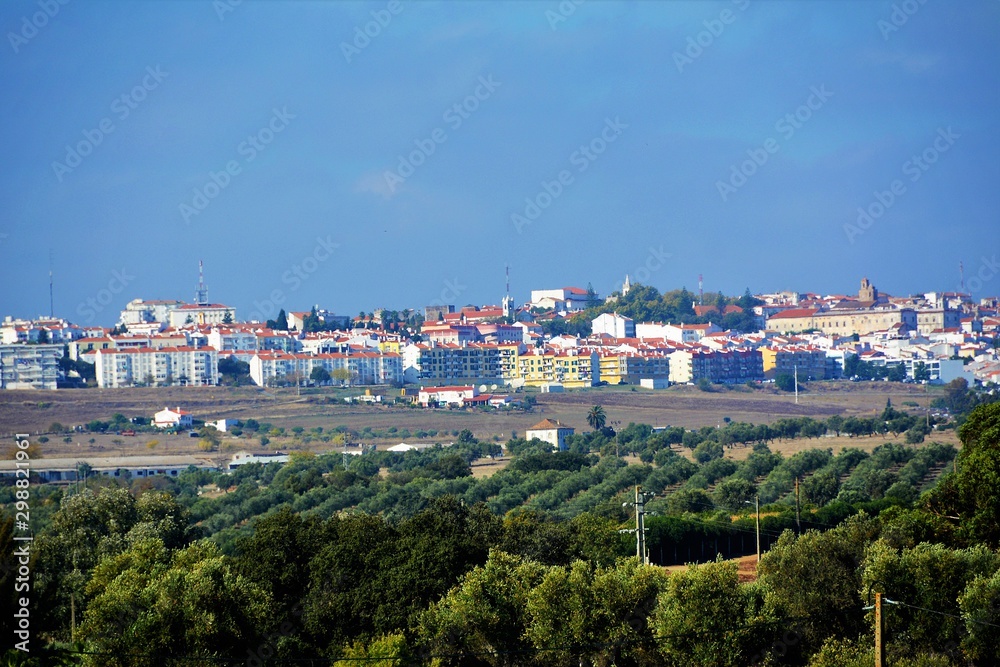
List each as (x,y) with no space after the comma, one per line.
(707,451)
(785,382)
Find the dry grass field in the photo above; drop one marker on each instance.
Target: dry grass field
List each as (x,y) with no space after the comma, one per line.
(33,412)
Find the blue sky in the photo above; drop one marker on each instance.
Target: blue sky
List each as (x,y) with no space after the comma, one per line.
(266,138)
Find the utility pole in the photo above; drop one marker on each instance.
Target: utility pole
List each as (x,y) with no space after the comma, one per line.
(796,370)
(757,503)
(798,520)
(640,525)
(879,630)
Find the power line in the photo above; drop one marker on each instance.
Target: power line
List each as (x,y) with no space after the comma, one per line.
(942,613)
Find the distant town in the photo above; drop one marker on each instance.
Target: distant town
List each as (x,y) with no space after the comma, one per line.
(564,338)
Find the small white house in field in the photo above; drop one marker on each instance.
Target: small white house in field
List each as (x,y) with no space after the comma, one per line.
(404,447)
(550,431)
(167,418)
(446,395)
(243,458)
(223,425)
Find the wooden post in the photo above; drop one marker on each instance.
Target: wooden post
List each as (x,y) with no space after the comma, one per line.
(757,503)
(879,627)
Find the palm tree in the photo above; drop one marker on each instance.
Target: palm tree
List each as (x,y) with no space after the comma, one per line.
(596,418)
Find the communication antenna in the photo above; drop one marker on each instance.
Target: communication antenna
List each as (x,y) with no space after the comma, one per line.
(961,275)
(507,301)
(52,310)
(701,292)
(201,296)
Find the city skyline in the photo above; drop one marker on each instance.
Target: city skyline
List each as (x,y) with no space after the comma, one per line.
(358,156)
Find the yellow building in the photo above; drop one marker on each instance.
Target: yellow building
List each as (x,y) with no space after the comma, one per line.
(614,367)
(565,368)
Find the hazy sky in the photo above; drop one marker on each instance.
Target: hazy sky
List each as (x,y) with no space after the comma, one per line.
(380,155)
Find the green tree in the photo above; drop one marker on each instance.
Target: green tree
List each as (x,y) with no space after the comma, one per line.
(320,375)
(971,495)
(931,576)
(706,617)
(87,527)
(733,493)
(186,602)
(594,615)
(485,617)
(821,487)
(596,418)
(785,382)
(234,371)
(980,602)
(342,375)
(815,578)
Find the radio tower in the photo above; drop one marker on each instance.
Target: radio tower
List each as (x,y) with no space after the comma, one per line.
(507,301)
(701,292)
(961,275)
(201,296)
(52,310)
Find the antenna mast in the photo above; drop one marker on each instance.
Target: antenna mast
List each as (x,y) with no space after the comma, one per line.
(701,292)
(961,275)
(52,310)
(507,301)
(201,296)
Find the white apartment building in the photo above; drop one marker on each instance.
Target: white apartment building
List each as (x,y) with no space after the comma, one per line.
(29,366)
(364,367)
(613,324)
(225,339)
(568,299)
(169,366)
(678,333)
(211,313)
(138,311)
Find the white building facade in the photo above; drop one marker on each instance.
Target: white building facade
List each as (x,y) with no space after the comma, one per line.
(165,367)
(29,366)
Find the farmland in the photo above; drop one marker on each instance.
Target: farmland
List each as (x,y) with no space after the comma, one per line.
(685,406)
